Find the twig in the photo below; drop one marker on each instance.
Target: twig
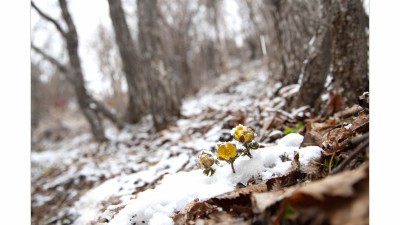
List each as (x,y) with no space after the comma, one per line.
(351,157)
(48,18)
(51,59)
(355,141)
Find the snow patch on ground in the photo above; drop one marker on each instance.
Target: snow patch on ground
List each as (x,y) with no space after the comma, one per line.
(155,206)
(153,174)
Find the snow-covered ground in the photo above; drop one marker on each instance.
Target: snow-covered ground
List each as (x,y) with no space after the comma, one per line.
(144,177)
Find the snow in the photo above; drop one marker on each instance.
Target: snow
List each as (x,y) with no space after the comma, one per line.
(311,41)
(299,111)
(328,80)
(155,206)
(154,175)
(291,140)
(275,132)
(348,126)
(289,90)
(325,97)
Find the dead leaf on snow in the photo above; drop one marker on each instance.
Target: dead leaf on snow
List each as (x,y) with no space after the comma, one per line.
(193,210)
(229,208)
(339,199)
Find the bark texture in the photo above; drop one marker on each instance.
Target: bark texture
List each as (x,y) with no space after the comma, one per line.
(292,25)
(84,100)
(138,93)
(164,100)
(349,49)
(317,64)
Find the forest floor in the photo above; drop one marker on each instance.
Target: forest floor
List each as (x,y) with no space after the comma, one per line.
(311,174)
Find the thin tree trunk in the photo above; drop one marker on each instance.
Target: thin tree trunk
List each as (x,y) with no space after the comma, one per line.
(137,88)
(84,100)
(89,107)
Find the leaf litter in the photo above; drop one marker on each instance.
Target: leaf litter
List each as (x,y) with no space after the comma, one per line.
(143,177)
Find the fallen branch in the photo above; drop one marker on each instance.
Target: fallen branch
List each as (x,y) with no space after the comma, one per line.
(351,157)
(355,141)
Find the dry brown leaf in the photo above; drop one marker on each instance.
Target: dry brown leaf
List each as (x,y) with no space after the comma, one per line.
(312,138)
(334,103)
(331,122)
(334,137)
(193,210)
(348,111)
(223,218)
(236,203)
(338,199)
(360,124)
(315,169)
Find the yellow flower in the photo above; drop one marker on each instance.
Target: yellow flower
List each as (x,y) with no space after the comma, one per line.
(243,134)
(226,151)
(205,161)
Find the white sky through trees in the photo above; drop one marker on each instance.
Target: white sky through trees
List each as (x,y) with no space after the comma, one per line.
(87,15)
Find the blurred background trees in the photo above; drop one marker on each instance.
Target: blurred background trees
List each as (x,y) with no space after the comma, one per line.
(154,53)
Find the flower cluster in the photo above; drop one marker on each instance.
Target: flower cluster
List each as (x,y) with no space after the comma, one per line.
(229,151)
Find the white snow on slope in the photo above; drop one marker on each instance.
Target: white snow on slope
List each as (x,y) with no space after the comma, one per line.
(155,206)
(136,158)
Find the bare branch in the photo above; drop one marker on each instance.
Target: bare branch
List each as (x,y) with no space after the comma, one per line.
(67,17)
(51,59)
(48,18)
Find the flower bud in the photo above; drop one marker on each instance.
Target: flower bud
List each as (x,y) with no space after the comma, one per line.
(205,161)
(243,134)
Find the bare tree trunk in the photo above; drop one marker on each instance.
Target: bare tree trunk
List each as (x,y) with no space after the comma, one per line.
(84,100)
(213,12)
(317,64)
(274,42)
(89,107)
(349,49)
(164,101)
(293,23)
(35,98)
(138,93)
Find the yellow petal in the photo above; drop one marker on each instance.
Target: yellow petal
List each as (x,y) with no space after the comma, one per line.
(226,151)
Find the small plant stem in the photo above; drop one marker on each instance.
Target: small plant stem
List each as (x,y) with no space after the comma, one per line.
(330,162)
(248,153)
(248,150)
(233,168)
